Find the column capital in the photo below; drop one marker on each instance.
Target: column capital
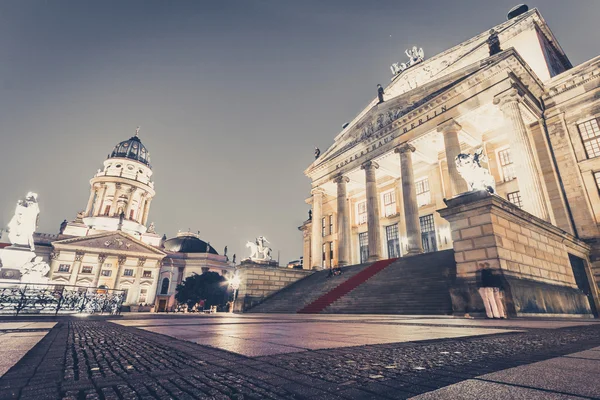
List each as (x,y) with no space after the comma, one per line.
(405,148)
(449,126)
(341,179)
(317,190)
(369,164)
(512,95)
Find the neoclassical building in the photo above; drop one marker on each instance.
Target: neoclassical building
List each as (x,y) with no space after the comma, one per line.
(512,92)
(112,245)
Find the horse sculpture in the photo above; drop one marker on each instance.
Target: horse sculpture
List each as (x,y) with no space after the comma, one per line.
(476,176)
(259,253)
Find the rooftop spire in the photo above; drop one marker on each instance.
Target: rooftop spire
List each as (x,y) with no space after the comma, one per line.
(137,131)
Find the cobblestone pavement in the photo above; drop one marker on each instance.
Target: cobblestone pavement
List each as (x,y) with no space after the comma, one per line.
(95,359)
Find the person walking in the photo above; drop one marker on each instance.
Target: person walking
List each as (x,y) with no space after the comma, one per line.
(486,284)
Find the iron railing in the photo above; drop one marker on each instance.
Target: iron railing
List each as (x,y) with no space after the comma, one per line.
(33,298)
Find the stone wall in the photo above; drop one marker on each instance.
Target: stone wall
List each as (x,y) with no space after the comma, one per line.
(259,281)
(531,254)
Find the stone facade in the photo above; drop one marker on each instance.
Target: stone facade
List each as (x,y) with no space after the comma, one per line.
(536,119)
(259,282)
(490,232)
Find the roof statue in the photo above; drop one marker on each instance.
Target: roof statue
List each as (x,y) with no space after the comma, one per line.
(137,131)
(415,56)
(470,168)
(380,93)
(317,152)
(494,43)
(23,224)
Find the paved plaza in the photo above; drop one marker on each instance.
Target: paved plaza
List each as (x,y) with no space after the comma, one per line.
(256,356)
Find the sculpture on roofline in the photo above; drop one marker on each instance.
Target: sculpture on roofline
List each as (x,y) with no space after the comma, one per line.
(317,152)
(415,56)
(23,224)
(470,169)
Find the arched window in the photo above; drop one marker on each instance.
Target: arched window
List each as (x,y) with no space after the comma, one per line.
(164,289)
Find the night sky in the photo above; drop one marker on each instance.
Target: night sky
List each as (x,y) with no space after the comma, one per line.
(231,97)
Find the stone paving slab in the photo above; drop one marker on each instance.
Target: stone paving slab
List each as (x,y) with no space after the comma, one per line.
(277,338)
(17,338)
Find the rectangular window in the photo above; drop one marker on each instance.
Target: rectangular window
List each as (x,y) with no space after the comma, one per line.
(147,274)
(86,269)
(423,193)
(393,241)
(64,267)
(590,134)
(389,203)
(506,165)
(143,294)
(128,272)
(331,254)
(323,222)
(515,198)
(125,293)
(324,258)
(107,211)
(106,272)
(428,233)
(361,213)
(363,241)
(331,224)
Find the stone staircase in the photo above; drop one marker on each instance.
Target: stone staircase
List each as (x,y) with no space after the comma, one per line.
(303,292)
(411,285)
(345,287)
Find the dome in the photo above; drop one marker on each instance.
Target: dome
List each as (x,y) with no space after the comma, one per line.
(132,149)
(187,242)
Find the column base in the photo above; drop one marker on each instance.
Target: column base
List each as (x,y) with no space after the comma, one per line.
(413,253)
(373,258)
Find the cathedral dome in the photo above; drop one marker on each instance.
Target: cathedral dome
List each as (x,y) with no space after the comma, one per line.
(132,149)
(187,242)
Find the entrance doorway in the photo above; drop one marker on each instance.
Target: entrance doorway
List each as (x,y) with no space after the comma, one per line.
(581,279)
(162,305)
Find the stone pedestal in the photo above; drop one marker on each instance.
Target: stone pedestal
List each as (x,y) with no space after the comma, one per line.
(19,264)
(532,256)
(258,281)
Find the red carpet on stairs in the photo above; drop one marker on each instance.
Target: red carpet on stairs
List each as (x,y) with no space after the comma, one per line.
(345,287)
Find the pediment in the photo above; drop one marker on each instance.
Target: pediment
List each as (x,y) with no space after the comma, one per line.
(109,242)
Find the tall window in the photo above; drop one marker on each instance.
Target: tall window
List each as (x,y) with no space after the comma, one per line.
(428,233)
(323,224)
(363,241)
(597,178)
(590,134)
(389,203)
(125,292)
(128,272)
(164,288)
(143,294)
(361,212)
(107,211)
(331,224)
(423,193)
(64,267)
(324,258)
(515,198)
(393,242)
(131,214)
(331,254)
(506,165)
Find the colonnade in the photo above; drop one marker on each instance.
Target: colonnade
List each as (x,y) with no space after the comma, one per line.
(526,170)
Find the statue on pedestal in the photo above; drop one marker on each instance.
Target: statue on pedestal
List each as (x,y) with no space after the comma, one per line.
(493,42)
(380,93)
(63,226)
(470,168)
(258,250)
(317,152)
(35,271)
(23,224)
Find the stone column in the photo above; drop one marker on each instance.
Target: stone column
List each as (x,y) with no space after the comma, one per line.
(449,130)
(409,197)
(343,222)
(120,189)
(76,267)
(93,194)
(130,202)
(146,211)
(100,201)
(526,171)
(317,237)
(372,210)
(101,259)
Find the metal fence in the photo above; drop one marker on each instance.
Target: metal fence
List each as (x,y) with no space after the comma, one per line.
(31,298)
